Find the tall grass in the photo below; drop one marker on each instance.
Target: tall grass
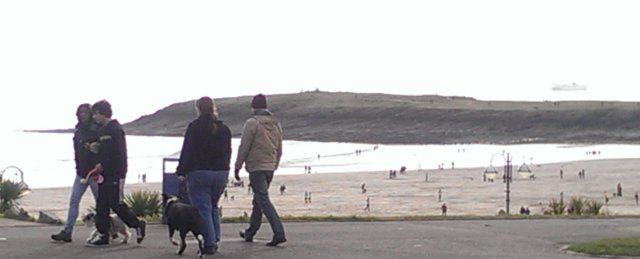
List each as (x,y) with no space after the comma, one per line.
(557,207)
(577,205)
(10,193)
(144,203)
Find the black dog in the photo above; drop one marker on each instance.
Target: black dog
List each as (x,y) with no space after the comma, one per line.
(184,218)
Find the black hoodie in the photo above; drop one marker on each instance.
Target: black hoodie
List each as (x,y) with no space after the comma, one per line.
(112,151)
(204,148)
(85,160)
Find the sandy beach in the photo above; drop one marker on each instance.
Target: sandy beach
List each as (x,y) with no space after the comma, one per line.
(463,190)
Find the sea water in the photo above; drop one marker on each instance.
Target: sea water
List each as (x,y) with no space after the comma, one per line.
(46,159)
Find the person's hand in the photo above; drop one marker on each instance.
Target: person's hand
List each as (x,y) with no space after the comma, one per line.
(236,174)
(99,168)
(181,178)
(94,146)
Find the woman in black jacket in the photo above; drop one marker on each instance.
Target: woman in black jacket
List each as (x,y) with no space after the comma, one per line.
(204,161)
(86,131)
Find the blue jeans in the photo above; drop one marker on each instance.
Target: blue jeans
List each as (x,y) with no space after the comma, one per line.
(77,192)
(260,181)
(205,189)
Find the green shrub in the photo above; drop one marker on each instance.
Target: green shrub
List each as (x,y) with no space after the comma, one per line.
(593,207)
(577,205)
(144,203)
(556,207)
(10,193)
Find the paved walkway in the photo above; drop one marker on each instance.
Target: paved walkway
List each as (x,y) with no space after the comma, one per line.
(423,239)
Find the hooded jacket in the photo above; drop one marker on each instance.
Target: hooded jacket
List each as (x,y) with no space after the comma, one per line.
(203,148)
(112,152)
(85,160)
(261,144)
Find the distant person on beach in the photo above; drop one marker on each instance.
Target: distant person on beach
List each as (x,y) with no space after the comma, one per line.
(619,190)
(444,209)
(367,207)
(204,162)
(283,188)
(86,131)
(111,152)
(439,194)
(561,174)
(363,188)
(636,196)
(260,151)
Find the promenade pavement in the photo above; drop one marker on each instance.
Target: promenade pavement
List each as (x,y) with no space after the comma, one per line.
(542,238)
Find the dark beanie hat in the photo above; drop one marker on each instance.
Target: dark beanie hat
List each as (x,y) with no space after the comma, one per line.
(259,102)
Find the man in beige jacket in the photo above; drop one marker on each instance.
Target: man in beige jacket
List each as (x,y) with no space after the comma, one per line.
(260,151)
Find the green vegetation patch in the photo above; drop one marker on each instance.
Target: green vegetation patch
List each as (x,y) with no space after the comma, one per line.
(629,246)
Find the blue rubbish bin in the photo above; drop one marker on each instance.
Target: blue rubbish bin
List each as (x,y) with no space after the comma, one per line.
(171,185)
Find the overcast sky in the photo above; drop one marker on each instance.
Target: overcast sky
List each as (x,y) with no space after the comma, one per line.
(144,55)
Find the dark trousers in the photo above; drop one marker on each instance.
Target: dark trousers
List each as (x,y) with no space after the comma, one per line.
(260,181)
(110,197)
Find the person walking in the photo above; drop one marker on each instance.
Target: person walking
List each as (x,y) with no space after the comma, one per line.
(86,131)
(111,150)
(204,162)
(260,151)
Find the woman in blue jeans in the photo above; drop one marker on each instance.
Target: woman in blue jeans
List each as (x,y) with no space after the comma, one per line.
(86,131)
(204,161)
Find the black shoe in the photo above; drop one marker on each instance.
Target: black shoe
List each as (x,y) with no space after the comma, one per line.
(276,241)
(244,236)
(141,231)
(209,250)
(100,240)
(62,236)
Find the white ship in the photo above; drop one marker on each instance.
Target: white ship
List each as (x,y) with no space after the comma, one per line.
(569,87)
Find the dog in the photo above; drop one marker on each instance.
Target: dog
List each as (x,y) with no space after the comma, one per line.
(184,218)
(116,227)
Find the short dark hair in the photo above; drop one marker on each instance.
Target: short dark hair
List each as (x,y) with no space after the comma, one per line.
(103,107)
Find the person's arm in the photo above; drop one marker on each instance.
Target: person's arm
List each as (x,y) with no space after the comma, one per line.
(279,149)
(246,141)
(76,149)
(226,144)
(184,164)
(107,151)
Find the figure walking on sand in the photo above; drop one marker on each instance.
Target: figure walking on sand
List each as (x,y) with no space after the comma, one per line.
(367,207)
(86,132)
(619,190)
(444,209)
(260,151)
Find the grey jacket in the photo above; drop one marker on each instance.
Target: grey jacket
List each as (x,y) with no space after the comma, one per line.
(261,144)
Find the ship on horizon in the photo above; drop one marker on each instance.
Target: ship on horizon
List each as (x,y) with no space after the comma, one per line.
(569,87)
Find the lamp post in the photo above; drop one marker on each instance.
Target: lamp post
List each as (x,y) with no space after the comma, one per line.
(507,179)
(491,172)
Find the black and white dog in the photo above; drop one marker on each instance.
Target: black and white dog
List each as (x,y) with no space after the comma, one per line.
(184,218)
(116,227)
